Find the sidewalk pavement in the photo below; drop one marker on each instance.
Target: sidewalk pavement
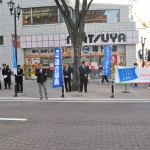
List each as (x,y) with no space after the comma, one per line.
(96,91)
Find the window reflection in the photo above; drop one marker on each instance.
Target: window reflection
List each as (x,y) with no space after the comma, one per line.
(99,16)
(27,16)
(42,15)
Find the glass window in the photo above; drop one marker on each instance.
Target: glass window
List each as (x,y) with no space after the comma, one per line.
(53,15)
(99,16)
(113,15)
(45,15)
(26,16)
(0,1)
(1,40)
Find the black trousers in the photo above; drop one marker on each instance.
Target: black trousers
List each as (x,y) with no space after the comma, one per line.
(104,78)
(6,81)
(9,81)
(83,82)
(19,86)
(67,84)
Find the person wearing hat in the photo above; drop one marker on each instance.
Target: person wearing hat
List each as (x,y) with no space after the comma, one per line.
(19,79)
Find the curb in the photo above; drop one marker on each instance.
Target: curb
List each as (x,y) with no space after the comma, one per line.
(29,99)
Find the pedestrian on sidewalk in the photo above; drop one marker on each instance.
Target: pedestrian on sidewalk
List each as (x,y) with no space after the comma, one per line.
(5,75)
(9,76)
(41,80)
(104,77)
(67,77)
(135,84)
(83,77)
(19,79)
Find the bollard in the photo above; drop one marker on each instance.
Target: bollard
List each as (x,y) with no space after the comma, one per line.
(112,87)
(62,89)
(15,87)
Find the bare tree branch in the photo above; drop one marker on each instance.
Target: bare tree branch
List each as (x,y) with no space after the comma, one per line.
(77,13)
(89,4)
(70,28)
(68,13)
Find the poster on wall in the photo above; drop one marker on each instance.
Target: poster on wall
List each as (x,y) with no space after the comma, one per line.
(94,65)
(35,60)
(132,74)
(114,59)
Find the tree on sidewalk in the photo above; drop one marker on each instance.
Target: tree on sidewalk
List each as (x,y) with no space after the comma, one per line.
(75,27)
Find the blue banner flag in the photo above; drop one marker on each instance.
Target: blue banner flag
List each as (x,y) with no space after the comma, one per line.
(127,74)
(57,75)
(14,58)
(107,61)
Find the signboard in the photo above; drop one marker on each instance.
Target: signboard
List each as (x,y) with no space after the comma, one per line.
(58,75)
(114,59)
(107,61)
(132,74)
(16,43)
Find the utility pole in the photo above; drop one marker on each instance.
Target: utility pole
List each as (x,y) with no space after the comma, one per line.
(143,45)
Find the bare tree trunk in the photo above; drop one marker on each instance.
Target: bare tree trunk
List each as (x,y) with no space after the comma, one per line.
(76,78)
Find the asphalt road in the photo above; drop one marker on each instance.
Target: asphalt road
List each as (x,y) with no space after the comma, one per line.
(74,126)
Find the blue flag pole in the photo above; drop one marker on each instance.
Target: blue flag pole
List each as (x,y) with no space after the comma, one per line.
(14,66)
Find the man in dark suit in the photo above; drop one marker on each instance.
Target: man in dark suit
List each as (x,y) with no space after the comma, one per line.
(83,77)
(19,79)
(5,75)
(67,77)
(41,80)
(9,76)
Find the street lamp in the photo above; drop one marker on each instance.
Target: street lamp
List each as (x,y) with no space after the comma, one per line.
(143,44)
(16,11)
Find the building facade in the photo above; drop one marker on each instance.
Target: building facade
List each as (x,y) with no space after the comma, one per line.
(41,28)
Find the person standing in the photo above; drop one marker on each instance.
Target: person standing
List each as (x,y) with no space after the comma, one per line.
(83,77)
(19,79)
(9,76)
(5,75)
(41,80)
(67,77)
(104,77)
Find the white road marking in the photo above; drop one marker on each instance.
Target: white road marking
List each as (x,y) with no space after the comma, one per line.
(12,119)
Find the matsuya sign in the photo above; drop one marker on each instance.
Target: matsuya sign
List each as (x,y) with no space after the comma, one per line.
(105,38)
(63,39)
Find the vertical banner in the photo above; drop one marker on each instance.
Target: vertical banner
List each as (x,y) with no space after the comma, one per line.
(107,61)
(57,75)
(14,58)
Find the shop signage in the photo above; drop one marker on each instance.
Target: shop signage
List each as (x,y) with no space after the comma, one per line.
(85,49)
(132,74)
(105,38)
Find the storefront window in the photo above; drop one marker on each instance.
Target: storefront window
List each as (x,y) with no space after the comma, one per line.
(26,16)
(45,15)
(42,15)
(99,16)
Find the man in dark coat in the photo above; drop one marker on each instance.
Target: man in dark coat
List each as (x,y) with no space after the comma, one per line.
(83,77)
(5,75)
(41,80)
(19,79)
(67,77)
(9,76)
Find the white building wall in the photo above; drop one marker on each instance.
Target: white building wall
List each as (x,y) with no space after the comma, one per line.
(7,27)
